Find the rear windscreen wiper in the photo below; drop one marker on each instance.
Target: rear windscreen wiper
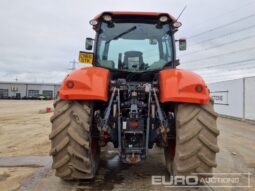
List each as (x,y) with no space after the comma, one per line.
(122,34)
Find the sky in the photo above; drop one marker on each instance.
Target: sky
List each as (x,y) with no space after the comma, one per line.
(38,39)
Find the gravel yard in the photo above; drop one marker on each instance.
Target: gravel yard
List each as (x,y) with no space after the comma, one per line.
(24,140)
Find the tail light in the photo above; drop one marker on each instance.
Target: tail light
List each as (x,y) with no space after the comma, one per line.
(70,84)
(199,88)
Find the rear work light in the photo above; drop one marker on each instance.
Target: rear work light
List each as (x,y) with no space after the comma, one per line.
(163,19)
(177,24)
(107,18)
(93,22)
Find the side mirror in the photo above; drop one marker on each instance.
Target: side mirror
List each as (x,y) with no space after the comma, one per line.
(182,44)
(89,43)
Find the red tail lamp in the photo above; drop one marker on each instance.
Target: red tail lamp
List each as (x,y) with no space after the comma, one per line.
(70,84)
(199,88)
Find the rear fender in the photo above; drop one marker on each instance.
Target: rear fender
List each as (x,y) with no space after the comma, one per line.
(89,83)
(178,85)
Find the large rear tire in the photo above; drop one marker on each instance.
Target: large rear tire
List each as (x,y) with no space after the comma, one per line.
(195,146)
(75,153)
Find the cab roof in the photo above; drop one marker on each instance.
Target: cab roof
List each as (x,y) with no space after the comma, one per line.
(146,14)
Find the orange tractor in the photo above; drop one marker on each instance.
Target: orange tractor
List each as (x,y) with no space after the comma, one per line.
(134,97)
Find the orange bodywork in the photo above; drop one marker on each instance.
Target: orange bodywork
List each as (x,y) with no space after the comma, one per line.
(182,86)
(88,84)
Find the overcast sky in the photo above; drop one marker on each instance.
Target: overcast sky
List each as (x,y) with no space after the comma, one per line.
(38,39)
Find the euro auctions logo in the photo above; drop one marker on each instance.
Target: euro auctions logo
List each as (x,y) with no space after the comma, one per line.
(175,180)
(216,180)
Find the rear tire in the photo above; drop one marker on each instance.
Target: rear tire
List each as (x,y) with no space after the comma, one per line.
(196,141)
(75,153)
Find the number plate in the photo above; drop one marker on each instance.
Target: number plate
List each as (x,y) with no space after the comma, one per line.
(86,57)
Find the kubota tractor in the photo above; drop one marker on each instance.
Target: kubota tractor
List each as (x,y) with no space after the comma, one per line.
(134,97)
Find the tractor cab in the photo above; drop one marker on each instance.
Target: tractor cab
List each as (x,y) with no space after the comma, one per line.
(133,42)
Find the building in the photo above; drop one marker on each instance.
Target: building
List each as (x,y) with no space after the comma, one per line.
(235,98)
(24,90)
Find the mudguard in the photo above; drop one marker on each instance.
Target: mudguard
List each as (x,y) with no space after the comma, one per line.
(89,83)
(178,85)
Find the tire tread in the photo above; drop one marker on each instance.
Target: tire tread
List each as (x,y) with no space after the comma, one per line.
(196,140)
(70,140)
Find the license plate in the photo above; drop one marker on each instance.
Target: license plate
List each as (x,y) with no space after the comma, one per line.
(86,57)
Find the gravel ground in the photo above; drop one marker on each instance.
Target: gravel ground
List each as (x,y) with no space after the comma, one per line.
(25,165)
